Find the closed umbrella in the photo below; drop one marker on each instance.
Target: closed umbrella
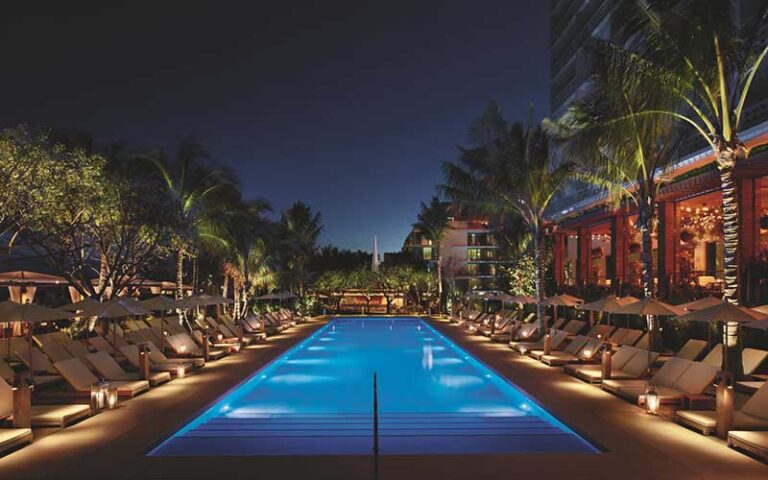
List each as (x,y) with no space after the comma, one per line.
(29,313)
(731,316)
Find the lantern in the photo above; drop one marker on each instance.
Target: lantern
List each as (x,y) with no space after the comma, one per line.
(181,371)
(99,395)
(112,398)
(652,400)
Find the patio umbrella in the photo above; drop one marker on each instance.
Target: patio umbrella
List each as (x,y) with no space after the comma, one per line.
(649,308)
(761,309)
(701,304)
(607,305)
(726,313)
(29,313)
(507,298)
(562,300)
(86,303)
(161,304)
(115,308)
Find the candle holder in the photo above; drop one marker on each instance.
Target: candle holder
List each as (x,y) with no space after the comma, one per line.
(652,400)
(99,395)
(112,401)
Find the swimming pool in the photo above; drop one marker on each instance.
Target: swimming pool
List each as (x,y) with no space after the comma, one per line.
(317,399)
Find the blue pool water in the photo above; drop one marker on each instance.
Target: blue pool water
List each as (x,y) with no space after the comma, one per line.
(316,399)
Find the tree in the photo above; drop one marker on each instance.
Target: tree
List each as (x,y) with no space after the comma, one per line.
(433,223)
(394,281)
(330,257)
(623,153)
(511,172)
(363,282)
(301,230)
(333,284)
(196,190)
(706,59)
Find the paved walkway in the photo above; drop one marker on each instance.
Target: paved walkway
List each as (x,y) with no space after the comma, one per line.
(113,444)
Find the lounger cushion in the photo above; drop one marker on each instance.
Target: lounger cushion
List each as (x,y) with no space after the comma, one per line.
(692,349)
(58,415)
(756,441)
(12,437)
(696,378)
(757,405)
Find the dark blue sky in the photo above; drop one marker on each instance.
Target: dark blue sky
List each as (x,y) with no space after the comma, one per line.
(346,106)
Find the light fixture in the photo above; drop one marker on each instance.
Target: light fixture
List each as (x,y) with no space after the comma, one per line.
(181,371)
(220,337)
(112,398)
(523,349)
(731,334)
(652,400)
(605,363)
(182,348)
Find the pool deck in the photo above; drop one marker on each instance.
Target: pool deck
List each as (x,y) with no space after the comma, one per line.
(113,444)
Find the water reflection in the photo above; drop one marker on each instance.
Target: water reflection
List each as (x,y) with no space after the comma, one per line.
(426,357)
(459,381)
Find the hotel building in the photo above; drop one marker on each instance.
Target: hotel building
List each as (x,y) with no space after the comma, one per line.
(596,245)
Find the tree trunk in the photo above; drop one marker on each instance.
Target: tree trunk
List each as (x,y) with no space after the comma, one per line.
(727,157)
(236,286)
(225,290)
(538,261)
(439,281)
(102,275)
(180,274)
(646,213)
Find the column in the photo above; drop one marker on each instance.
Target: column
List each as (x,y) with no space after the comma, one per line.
(666,254)
(559,252)
(584,245)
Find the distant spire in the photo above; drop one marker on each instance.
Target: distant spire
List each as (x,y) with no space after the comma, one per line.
(375,258)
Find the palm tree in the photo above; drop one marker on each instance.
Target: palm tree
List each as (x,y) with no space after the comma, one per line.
(510,172)
(433,224)
(620,152)
(706,59)
(198,193)
(301,229)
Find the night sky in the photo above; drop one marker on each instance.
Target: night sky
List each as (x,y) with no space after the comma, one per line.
(346,106)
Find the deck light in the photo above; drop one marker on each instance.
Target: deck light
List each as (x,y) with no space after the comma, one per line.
(523,349)
(605,362)
(182,348)
(652,400)
(220,337)
(111,398)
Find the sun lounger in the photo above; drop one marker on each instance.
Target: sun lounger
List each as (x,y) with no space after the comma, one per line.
(617,335)
(183,346)
(752,416)
(593,373)
(131,353)
(80,378)
(581,349)
(574,327)
(693,378)
(100,344)
(156,356)
(755,443)
(527,332)
(77,349)
(535,350)
(601,331)
(53,349)
(40,363)
(7,374)
(108,368)
(11,438)
(692,349)
(631,338)
(43,415)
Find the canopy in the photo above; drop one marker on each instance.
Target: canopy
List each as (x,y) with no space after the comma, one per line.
(563,300)
(30,313)
(608,304)
(115,308)
(723,312)
(701,304)
(86,303)
(159,303)
(25,277)
(650,306)
(507,298)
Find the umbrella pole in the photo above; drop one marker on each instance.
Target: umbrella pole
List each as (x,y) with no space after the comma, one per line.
(29,346)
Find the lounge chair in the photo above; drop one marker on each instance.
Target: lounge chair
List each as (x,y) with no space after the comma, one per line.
(108,368)
(11,438)
(40,363)
(581,349)
(184,346)
(690,378)
(131,353)
(156,356)
(631,338)
(752,416)
(77,349)
(535,349)
(7,374)
(80,378)
(525,333)
(692,349)
(43,415)
(53,349)
(574,327)
(755,443)
(601,331)
(102,345)
(594,373)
